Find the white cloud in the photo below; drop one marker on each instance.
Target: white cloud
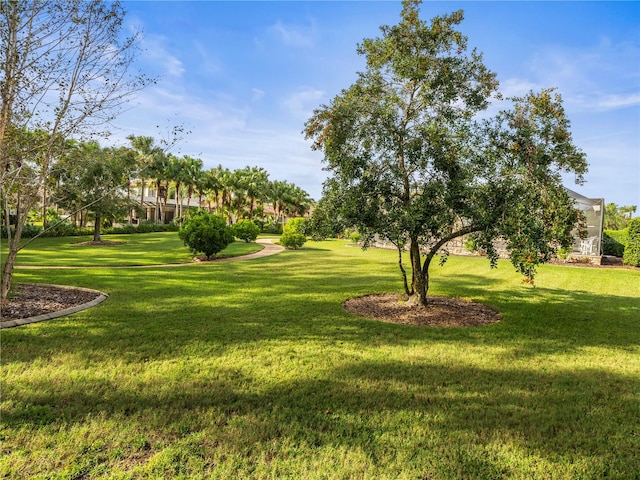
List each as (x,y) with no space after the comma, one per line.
(294,36)
(618,101)
(156,52)
(517,87)
(301,103)
(605,76)
(257,94)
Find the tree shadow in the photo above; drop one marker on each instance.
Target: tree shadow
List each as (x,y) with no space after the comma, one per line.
(448,419)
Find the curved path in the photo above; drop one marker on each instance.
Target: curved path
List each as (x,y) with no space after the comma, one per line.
(270,248)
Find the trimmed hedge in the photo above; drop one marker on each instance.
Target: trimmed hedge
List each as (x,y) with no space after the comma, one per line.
(614,241)
(68,230)
(632,250)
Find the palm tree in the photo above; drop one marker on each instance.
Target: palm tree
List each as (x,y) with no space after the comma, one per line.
(146,151)
(192,173)
(159,171)
(253,181)
(278,194)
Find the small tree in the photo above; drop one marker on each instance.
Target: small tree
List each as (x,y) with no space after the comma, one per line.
(206,233)
(293,233)
(246,230)
(409,163)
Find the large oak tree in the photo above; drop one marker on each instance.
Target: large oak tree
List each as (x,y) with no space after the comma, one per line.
(410,161)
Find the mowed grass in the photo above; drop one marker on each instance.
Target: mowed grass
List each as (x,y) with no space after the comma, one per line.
(252,370)
(140,249)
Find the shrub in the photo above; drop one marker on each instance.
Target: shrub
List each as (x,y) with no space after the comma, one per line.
(632,250)
(355,237)
(292,239)
(246,230)
(206,233)
(28,230)
(296,225)
(293,233)
(614,241)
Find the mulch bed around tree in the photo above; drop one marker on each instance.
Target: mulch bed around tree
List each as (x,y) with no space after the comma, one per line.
(440,312)
(30,299)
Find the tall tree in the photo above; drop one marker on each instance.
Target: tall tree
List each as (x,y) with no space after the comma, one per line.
(192,174)
(409,163)
(66,73)
(160,171)
(252,183)
(146,150)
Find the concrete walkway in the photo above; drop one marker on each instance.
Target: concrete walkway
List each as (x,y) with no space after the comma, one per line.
(270,248)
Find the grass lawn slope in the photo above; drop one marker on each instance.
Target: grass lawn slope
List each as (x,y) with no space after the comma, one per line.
(253,370)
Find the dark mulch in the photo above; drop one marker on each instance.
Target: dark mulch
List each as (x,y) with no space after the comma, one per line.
(440,312)
(30,300)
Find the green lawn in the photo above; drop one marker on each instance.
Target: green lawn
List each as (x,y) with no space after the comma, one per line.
(253,370)
(140,249)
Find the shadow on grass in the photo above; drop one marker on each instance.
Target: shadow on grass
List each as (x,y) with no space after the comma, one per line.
(449,420)
(158,312)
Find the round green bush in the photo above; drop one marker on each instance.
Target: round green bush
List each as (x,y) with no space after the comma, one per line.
(632,249)
(206,233)
(296,225)
(246,230)
(292,240)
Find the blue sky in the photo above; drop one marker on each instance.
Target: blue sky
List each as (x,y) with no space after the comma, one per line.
(243,77)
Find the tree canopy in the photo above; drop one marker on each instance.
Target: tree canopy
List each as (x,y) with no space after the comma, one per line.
(410,160)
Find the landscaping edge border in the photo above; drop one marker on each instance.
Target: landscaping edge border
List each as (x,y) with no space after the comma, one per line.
(101,297)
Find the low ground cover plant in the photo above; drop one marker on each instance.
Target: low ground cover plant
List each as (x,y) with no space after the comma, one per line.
(252,369)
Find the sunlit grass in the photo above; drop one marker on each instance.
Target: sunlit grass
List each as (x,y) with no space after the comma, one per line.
(139,249)
(253,370)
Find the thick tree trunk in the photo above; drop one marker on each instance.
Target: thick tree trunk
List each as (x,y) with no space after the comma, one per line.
(419,283)
(96,228)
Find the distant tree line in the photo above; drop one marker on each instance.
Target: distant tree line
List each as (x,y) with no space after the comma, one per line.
(87,183)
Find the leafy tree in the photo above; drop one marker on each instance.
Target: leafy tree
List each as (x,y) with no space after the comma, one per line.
(65,73)
(408,162)
(246,230)
(205,233)
(324,223)
(92,178)
(617,218)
